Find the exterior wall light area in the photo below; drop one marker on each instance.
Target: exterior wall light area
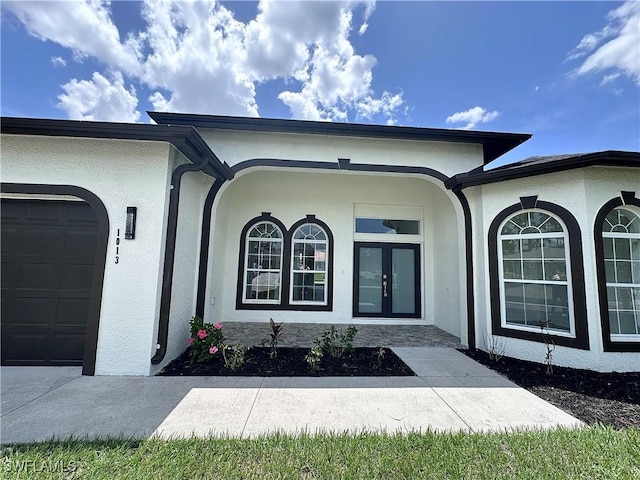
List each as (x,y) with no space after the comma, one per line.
(130,228)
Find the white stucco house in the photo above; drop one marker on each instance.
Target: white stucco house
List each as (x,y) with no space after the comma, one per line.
(115,235)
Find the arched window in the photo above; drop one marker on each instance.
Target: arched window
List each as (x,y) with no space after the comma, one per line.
(309,265)
(535,273)
(620,232)
(263,263)
(280,269)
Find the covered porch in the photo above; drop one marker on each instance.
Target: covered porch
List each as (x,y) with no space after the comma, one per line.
(420,269)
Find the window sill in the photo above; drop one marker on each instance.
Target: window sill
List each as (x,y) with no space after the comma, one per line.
(536,336)
(313,307)
(537,331)
(625,338)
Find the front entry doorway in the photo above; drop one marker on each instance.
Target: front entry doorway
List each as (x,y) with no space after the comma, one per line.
(386,280)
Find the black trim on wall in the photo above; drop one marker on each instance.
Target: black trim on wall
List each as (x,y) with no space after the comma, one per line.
(468,248)
(343,163)
(581,339)
(405,169)
(93,324)
(626,198)
(629,198)
(529,202)
(285,280)
(280,163)
(356,167)
(169,256)
(205,237)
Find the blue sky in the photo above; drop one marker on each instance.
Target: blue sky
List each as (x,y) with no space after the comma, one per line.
(567,72)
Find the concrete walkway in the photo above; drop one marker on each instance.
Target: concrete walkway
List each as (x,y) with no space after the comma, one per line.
(450,393)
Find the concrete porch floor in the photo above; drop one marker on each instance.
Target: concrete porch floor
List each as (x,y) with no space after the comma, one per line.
(369,335)
(450,393)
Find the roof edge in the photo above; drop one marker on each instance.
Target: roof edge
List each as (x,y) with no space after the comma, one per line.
(185,139)
(475,177)
(495,144)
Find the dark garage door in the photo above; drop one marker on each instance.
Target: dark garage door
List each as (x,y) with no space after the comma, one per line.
(48,250)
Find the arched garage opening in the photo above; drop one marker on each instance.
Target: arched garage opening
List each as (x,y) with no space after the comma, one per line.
(54,240)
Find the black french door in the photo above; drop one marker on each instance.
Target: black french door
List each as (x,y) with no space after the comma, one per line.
(386,280)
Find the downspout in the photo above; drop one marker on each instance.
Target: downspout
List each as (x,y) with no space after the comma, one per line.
(169,256)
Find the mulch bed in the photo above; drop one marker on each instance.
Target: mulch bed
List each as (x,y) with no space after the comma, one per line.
(606,398)
(289,362)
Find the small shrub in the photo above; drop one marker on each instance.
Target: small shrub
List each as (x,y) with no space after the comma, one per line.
(496,347)
(275,338)
(235,357)
(549,345)
(314,356)
(206,340)
(380,356)
(336,343)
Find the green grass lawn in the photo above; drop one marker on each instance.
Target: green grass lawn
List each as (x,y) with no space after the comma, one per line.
(591,453)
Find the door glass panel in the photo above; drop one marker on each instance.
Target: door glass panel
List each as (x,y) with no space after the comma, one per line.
(370,281)
(403,282)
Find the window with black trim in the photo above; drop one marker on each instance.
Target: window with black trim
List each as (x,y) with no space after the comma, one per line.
(263,263)
(617,240)
(309,265)
(285,269)
(621,241)
(535,287)
(536,275)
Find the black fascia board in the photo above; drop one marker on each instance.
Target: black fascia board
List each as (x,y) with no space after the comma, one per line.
(184,138)
(614,158)
(494,144)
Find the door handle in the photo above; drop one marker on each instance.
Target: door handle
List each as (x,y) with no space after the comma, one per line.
(384,288)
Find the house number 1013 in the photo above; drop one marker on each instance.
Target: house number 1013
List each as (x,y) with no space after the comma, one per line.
(118,247)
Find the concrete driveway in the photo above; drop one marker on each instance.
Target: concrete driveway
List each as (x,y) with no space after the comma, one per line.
(450,393)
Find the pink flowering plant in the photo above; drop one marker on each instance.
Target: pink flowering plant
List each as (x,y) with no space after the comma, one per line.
(206,340)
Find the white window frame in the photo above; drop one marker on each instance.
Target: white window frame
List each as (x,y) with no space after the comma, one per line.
(622,337)
(295,242)
(528,236)
(269,271)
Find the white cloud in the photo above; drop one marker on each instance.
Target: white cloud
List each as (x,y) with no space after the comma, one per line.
(58,62)
(472,117)
(100,99)
(303,105)
(196,57)
(85,27)
(279,41)
(609,78)
(336,81)
(586,45)
(388,105)
(616,46)
(369,8)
